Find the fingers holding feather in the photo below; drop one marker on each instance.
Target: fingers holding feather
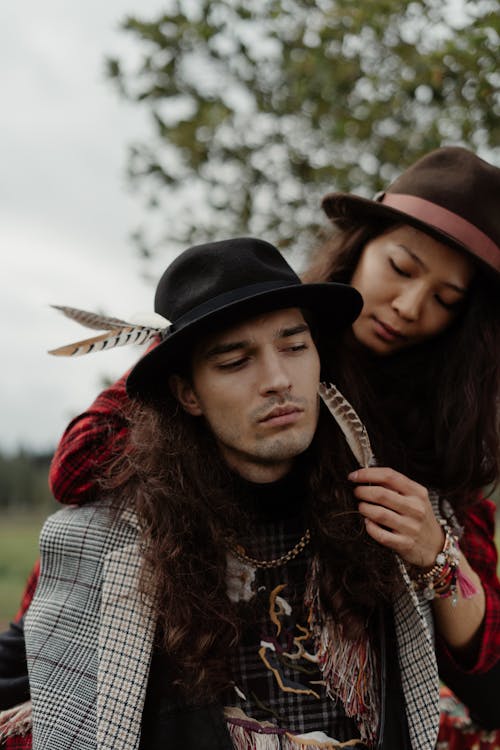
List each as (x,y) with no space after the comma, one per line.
(392,514)
(410,505)
(403,522)
(403,544)
(397,532)
(389,478)
(408,545)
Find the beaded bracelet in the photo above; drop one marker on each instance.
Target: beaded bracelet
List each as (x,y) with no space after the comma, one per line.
(441,580)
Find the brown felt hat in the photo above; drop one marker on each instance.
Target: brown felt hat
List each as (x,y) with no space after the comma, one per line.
(450,194)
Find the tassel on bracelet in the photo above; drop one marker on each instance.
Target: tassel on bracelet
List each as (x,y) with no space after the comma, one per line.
(445,578)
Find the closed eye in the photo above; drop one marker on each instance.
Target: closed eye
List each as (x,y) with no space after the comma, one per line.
(233,364)
(399,270)
(448,305)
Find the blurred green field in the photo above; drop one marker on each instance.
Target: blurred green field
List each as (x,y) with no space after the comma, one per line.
(18,552)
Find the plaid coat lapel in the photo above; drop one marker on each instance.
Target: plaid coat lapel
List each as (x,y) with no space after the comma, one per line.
(417,660)
(417,657)
(88,634)
(126,633)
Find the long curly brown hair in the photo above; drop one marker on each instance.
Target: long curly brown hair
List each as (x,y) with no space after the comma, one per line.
(183,493)
(432,411)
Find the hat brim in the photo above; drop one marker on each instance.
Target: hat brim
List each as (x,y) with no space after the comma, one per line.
(332,304)
(345,210)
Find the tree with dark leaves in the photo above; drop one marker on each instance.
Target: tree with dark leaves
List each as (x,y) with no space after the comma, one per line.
(259,107)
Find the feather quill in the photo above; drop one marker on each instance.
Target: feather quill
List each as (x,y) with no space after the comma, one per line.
(349,422)
(108,340)
(91,320)
(141,328)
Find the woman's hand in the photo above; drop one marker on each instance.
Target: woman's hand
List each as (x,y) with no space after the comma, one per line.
(398,514)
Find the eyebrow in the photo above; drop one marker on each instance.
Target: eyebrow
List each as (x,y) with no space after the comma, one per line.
(455,287)
(232,346)
(286,332)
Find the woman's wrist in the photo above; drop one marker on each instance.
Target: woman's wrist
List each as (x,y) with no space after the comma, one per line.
(444,579)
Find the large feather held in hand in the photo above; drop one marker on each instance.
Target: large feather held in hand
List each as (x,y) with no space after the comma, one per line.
(142,327)
(351,425)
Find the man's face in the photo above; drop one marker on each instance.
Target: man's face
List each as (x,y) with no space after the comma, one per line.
(256,385)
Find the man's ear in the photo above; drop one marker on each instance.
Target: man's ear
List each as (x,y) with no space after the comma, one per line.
(185,395)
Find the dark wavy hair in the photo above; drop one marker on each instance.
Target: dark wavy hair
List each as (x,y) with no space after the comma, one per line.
(432,410)
(185,498)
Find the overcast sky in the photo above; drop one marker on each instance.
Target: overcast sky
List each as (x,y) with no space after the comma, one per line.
(66,212)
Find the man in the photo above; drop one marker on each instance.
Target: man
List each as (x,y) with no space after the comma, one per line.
(219,595)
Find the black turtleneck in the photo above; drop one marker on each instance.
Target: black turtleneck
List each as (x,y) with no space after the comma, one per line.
(282,499)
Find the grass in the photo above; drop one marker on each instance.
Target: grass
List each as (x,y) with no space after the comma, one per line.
(18,552)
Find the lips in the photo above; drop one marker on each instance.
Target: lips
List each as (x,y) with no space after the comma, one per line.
(281,412)
(387,331)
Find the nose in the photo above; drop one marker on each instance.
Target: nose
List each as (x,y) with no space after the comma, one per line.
(409,302)
(274,375)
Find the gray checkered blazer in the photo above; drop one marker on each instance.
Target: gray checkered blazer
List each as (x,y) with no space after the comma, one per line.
(89,638)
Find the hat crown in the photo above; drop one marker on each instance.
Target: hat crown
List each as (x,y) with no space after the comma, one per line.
(450,193)
(459,181)
(211,287)
(204,272)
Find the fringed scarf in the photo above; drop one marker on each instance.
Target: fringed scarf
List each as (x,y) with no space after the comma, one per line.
(248,734)
(15,721)
(350,668)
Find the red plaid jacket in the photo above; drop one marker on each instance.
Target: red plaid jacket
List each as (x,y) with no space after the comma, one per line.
(18,742)
(88,443)
(29,591)
(478,545)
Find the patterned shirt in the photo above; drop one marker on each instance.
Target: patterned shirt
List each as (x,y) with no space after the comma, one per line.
(275,669)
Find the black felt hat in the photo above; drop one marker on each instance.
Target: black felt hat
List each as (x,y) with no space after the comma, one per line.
(215,285)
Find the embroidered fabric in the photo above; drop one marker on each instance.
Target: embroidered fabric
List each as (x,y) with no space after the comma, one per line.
(248,734)
(276,671)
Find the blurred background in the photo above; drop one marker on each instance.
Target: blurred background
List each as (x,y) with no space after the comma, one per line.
(131,130)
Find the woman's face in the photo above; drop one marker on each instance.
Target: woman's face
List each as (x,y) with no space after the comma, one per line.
(412,285)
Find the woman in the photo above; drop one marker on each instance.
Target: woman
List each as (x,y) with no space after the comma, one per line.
(425,256)
(430,286)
